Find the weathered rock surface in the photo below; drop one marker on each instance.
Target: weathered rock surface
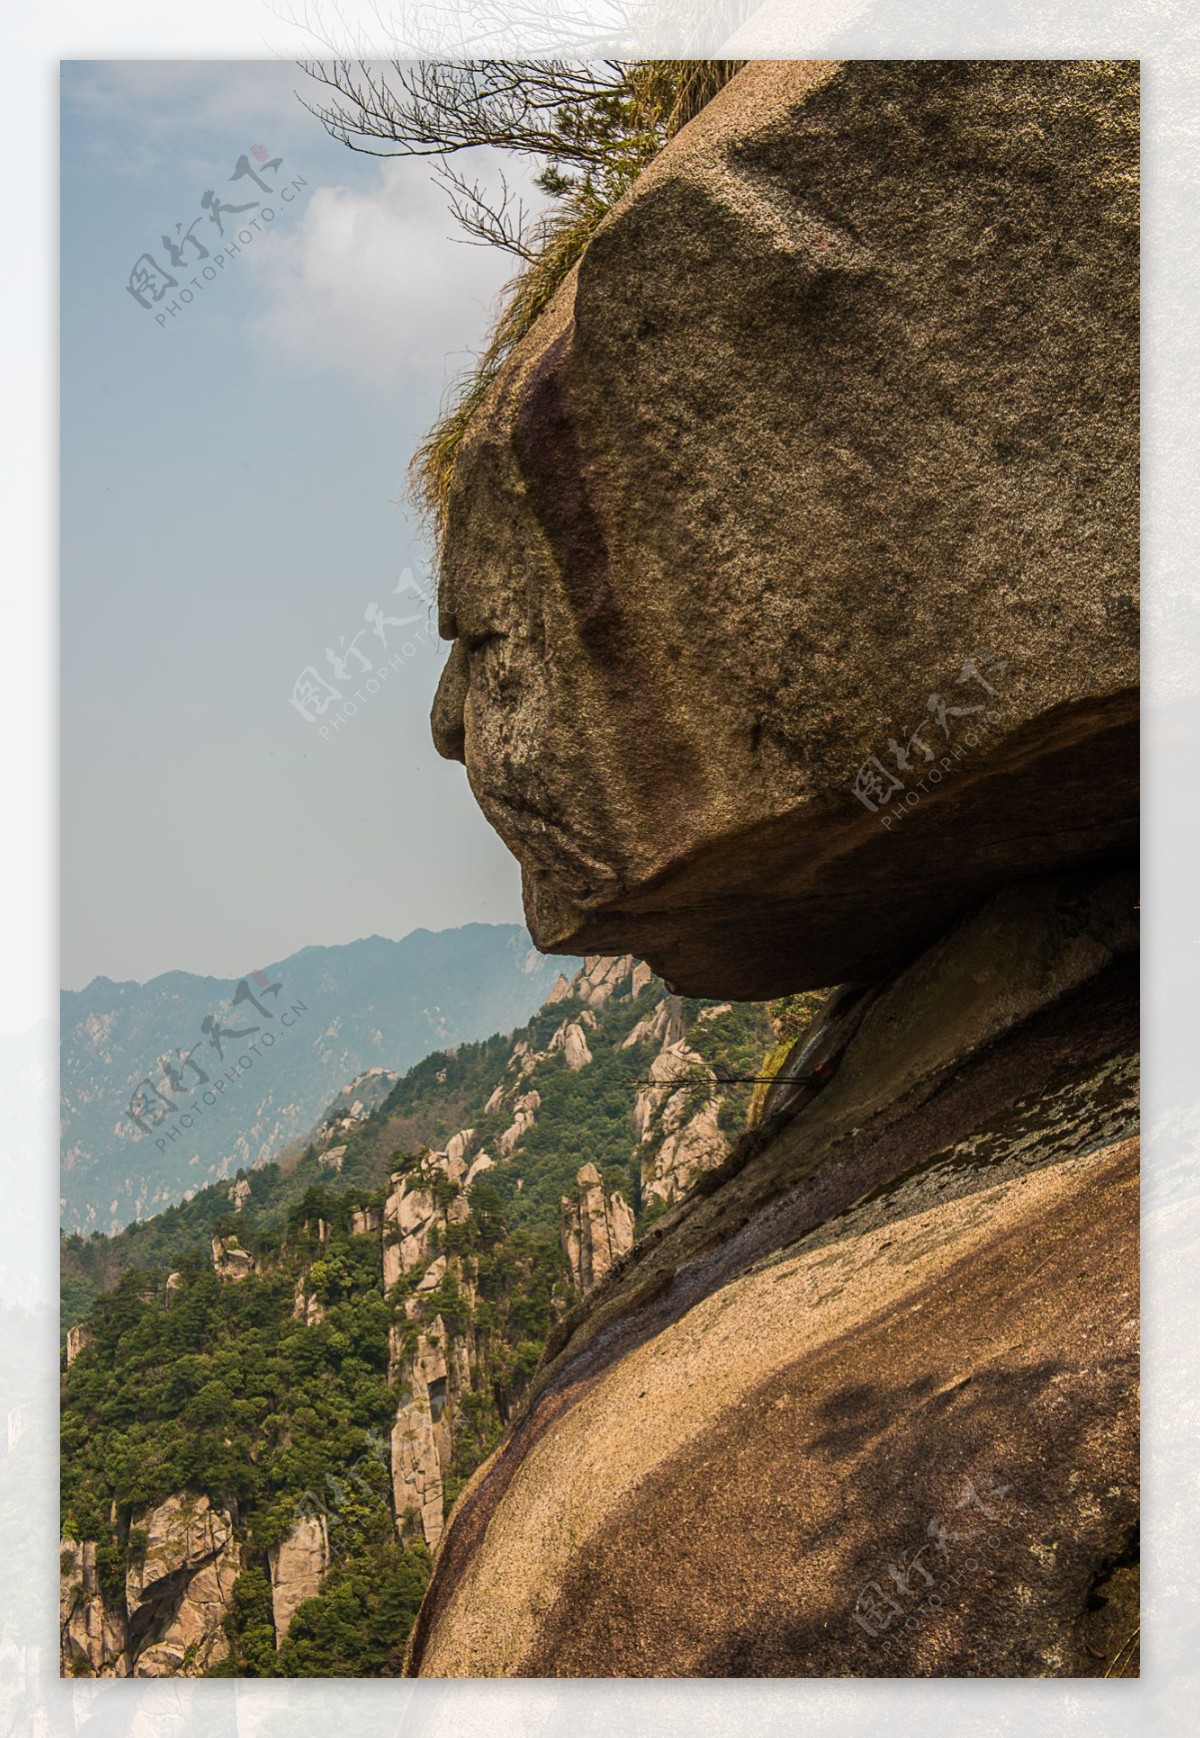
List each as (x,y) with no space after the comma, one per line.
(93,1634)
(665,1026)
(78,1338)
(179,1587)
(306,1306)
(572,1041)
(691,1145)
(429,1367)
(597,1229)
(676,1112)
(298,1565)
(525,1111)
(420,1443)
(866,1403)
(792,561)
(230,1260)
(479,1164)
(410,1216)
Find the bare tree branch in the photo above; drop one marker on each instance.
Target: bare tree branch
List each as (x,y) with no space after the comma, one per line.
(435,108)
(491,221)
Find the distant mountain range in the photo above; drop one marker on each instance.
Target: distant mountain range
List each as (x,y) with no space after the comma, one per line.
(173,1084)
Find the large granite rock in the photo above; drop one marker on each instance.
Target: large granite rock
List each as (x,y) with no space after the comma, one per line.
(865,1404)
(298,1566)
(421,1442)
(179,1586)
(93,1633)
(596,1229)
(230,1260)
(792,562)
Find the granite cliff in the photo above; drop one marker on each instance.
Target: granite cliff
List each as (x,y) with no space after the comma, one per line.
(790,567)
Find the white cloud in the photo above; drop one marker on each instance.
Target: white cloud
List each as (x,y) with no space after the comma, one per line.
(371,283)
(168,99)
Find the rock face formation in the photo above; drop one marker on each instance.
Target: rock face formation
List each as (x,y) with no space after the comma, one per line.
(429,1367)
(179,1587)
(791,565)
(421,1443)
(169,1619)
(676,1114)
(78,1338)
(792,561)
(298,1565)
(597,1229)
(93,1636)
(169,1622)
(230,1260)
(902,1321)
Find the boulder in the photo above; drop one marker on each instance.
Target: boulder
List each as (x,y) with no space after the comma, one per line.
(791,561)
(865,1404)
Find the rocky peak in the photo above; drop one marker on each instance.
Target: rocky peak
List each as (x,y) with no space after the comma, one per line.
(597,1229)
(664,1026)
(571,1040)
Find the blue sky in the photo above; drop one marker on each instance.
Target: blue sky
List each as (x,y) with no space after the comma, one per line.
(232,505)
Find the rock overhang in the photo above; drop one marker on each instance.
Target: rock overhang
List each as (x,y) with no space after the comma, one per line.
(794,554)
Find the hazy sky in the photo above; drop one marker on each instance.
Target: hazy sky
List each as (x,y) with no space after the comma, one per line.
(232,507)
